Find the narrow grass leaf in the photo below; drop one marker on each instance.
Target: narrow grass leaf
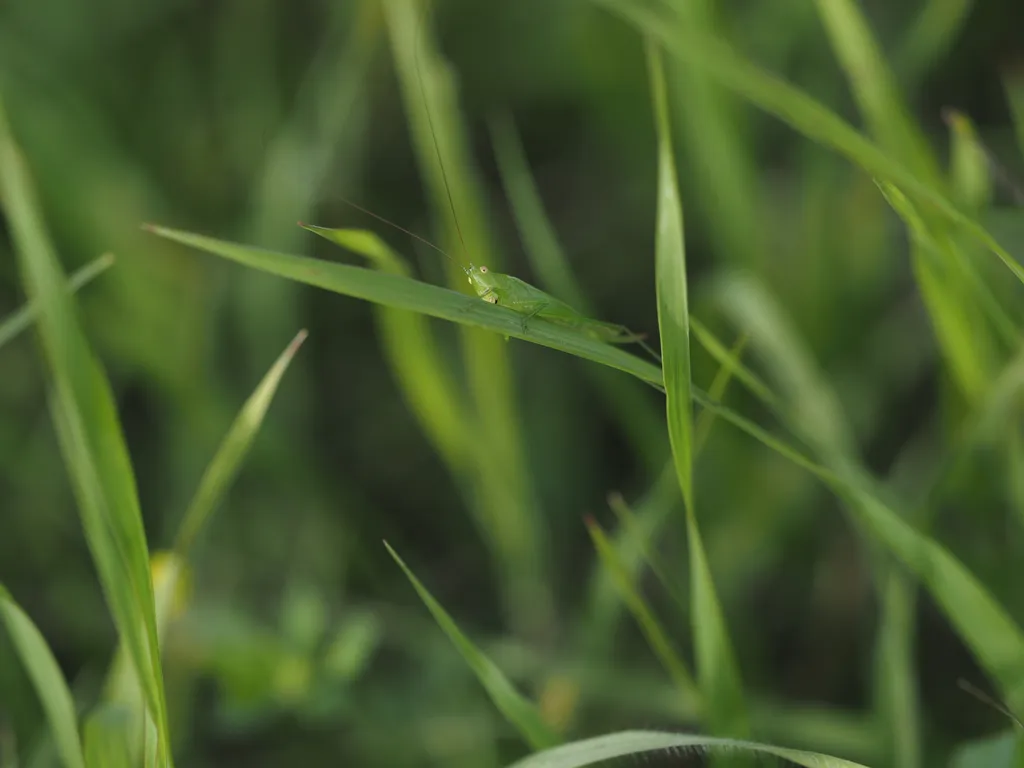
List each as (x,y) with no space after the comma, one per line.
(403,293)
(90,438)
(519,712)
(700,50)
(876,90)
(233,449)
(716,665)
(657,637)
(46,678)
(21,319)
(956,296)
(628,743)
(929,36)
(108,732)
(412,352)
(970,171)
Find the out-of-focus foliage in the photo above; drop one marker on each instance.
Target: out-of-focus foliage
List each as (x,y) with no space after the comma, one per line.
(884,345)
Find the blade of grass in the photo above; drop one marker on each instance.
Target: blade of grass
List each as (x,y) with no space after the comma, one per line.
(945,278)
(90,437)
(970,168)
(108,732)
(519,712)
(221,471)
(876,90)
(625,743)
(717,671)
(929,36)
(402,293)
(777,97)
(170,570)
(657,637)
(718,160)
(43,670)
(21,319)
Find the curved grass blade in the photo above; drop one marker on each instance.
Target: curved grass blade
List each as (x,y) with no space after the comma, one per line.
(717,671)
(90,438)
(47,679)
(875,89)
(232,451)
(519,712)
(626,743)
(657,637)
(700,50)
(108,731)
(21,319)
(403,293)
(929,36)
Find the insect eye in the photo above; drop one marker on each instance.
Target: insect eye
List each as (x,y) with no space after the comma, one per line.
(469,280)
(483,270)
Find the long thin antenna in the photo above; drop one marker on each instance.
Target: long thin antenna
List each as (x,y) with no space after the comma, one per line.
(986,699)
(399,228)
(433,134)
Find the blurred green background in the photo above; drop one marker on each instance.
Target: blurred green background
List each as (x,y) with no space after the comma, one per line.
(303,643)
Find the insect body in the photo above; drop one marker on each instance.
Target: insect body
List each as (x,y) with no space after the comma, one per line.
(530,302)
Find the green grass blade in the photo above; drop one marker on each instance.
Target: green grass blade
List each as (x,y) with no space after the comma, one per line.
(402,293)
(970,171)
(875,89)
(604,605)
(90,437)
(930,36)
(627,743)
(519,712)
(233,449)
(716,665)
(107,733)
(670,278)
(777,97)
(657,637)
(717,157)
(956,296)
(637,418)
(429,388)
(21,319)
(47,679)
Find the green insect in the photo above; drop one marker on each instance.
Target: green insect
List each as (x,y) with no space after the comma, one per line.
(512,293)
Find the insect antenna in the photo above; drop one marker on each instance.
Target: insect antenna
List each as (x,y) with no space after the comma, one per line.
(400,228)
(986,699)
(433,133)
